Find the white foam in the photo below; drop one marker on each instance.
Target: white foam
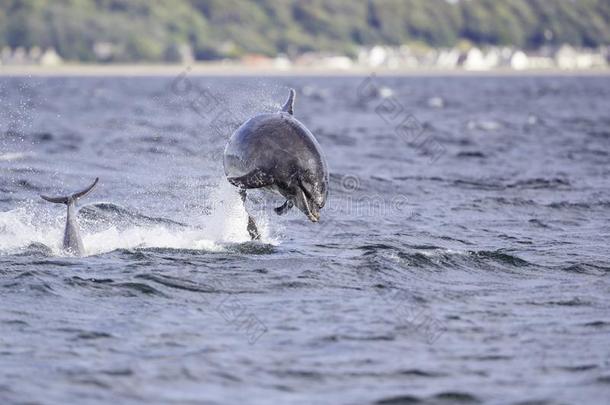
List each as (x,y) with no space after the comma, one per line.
(12,156)
(19,228)
(228,219)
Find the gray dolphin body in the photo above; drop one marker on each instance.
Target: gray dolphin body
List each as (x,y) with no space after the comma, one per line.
(72,239)
(278,153)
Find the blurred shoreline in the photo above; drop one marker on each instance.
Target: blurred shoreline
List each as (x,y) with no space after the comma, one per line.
(223,69)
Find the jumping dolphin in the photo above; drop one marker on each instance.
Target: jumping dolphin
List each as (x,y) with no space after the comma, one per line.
(278,153)
(72,240)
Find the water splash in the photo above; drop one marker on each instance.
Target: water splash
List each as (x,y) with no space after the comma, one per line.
(225,224)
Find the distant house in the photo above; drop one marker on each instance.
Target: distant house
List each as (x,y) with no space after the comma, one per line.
(337,62)
(323,60)
(34,54)
(542,58)
(282,62)
(448,59)
(493,58)
(104,51)
(21,56)
(540,62)
(568,57)
(377,56)
(589,59)
(519,60)
(565,57)
(5,55)
(373,57)
(474,60)
(187,55)
(256,60)
(50,58)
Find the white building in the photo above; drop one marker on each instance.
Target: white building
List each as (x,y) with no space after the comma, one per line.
(519,61)
(50,58)
(565,58)
(475,59)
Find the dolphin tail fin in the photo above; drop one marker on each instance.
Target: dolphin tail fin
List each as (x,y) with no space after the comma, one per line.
(71,198)
(289,105)
(56,200)
(85,192)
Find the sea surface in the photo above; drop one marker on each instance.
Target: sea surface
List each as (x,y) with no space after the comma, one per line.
(463,255)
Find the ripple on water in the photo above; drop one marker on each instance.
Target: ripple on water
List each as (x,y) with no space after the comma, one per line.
(449,397)
(431,256)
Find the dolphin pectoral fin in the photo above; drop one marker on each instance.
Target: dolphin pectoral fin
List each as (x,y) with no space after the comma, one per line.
(289,105)
(255,179)
(284,208)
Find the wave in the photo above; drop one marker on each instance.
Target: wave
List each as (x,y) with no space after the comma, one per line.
(540,183)
(448,397)
(469,258)
(579,205)
(430,256)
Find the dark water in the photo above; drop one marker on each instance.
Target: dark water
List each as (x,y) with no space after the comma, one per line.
(462,257)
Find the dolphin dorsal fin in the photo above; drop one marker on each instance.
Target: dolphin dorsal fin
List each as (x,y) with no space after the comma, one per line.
(289,106)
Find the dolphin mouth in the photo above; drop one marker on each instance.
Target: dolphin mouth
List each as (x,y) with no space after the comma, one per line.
(314,216)
(312,213)
(307,206)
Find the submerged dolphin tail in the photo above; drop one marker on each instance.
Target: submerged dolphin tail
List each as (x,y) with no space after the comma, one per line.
(71,198)
(289,105)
